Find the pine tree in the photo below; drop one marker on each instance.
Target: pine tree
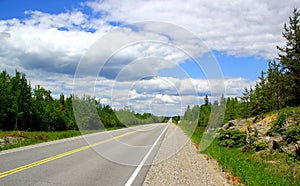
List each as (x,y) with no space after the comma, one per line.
(246,98)
(260,96)
(276,86)
(206,100)
(289,57)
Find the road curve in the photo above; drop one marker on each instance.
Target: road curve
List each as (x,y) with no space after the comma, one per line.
(120,157)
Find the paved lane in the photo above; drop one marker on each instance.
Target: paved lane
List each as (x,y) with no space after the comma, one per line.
(106,158)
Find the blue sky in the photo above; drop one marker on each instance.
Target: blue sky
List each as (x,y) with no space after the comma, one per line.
(54,40)
(16,8)
(248,67)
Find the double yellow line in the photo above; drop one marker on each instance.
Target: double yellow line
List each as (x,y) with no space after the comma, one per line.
(34,164)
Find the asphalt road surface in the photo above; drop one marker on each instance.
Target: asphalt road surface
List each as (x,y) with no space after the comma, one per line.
(120,157)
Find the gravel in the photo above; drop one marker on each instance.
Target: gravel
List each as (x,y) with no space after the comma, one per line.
(179,163)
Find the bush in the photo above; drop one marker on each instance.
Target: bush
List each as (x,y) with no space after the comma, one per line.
(232,138)
(260,145)
(293,133)
(279,122)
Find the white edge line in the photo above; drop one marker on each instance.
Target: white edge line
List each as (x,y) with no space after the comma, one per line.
(138,169)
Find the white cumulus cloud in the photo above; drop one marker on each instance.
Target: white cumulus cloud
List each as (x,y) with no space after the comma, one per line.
(121,71)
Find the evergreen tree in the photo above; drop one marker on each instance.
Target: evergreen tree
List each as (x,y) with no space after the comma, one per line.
(206,100)
(246,98)
(277,96)
(289,58)
(204,113)
(187,114)
(259,97)
(232,109)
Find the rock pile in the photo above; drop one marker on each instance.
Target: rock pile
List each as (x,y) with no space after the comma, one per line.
(8,140)
(259,130)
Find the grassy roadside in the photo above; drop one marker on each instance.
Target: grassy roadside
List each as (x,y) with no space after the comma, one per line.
(253,169)
(194,133)
(25,138)
(249,167)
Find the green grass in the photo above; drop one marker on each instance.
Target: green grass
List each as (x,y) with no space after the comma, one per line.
(252,169)
(30,138)
(195,133)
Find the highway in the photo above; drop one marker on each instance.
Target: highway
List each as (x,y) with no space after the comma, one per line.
(120,157)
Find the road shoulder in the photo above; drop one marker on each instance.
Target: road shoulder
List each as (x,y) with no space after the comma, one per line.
(179,163)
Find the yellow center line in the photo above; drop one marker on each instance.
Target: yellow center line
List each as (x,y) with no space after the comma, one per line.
(34,164)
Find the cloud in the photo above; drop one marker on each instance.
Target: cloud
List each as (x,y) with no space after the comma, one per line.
(134,52)
(172,94)
(129,64)
(241,28)
(158,95)
(37,42)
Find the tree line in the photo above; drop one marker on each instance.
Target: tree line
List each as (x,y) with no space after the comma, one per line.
(34,109)
(277,88)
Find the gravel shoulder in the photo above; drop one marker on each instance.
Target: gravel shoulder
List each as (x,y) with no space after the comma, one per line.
(179,163)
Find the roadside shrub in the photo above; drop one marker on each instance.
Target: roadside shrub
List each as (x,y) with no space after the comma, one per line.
(293,133)
(279,123)
(260,145)
(232,138)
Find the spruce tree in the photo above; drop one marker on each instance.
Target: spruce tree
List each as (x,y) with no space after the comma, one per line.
(289,58)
